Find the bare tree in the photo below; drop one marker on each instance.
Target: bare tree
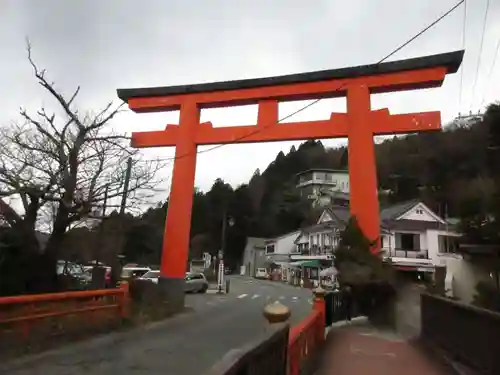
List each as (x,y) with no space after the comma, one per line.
(59,165)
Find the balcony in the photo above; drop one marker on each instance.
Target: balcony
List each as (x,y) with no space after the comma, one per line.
(406,253)
(315,250)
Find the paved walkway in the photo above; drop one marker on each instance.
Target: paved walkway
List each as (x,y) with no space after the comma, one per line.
(360,350)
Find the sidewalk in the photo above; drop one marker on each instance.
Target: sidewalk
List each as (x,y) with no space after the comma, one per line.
(360,350)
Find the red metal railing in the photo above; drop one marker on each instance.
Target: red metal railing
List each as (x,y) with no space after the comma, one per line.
(306,338)
(24,312)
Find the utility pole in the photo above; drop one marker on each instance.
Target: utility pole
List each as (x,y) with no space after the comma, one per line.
(99,273)
(125,186)
(221,253)
(101,229)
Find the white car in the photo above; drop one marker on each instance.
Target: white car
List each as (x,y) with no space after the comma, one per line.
(151,276)
(261,273)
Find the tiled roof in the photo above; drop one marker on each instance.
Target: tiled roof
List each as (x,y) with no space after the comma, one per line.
(388,216)
(395,210)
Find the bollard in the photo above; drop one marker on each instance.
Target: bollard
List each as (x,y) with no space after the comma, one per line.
(125,300)
(227,286)
(276,313)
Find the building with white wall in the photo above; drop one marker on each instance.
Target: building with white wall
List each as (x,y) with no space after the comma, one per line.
(413,237)
(322,186)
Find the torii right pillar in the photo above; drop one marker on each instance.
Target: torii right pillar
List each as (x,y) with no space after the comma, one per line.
(364,204)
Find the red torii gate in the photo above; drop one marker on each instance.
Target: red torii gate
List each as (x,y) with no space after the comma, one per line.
(359,125)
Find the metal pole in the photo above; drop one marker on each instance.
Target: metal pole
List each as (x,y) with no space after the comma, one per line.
(221,255)
(103,220)
(125,186)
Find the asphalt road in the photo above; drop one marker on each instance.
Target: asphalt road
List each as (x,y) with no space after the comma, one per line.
(188,344)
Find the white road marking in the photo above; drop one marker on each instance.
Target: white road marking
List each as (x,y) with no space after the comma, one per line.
(242,295)
(255,296)
(295,299)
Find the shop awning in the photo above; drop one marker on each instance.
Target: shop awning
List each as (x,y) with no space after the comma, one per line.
(307,263)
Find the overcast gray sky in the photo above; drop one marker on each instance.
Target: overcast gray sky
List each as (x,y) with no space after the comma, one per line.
(103,45)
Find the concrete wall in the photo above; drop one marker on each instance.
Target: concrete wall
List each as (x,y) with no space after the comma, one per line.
(407,307)
(462,277)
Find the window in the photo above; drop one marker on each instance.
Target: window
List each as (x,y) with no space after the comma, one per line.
(448,244)
(419,211)
(270,249)
(328,177)
(320,176)
(408,241)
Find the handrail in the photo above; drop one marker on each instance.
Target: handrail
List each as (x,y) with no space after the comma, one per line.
(25,310)
(257,356)
(303,340)
(49,297)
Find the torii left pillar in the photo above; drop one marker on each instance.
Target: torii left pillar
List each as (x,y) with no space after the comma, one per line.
(178,222)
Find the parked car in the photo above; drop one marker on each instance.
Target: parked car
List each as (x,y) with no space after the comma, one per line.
(195,282)
(107,275)
(76,276)
(261,273)
(152,276)
(133,272)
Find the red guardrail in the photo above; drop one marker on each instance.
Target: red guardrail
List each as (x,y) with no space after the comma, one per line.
(25,311)
(306,338)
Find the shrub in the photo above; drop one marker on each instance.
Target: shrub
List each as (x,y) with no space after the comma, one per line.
(487,296)
(372,280)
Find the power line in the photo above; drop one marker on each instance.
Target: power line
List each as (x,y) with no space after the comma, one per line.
(480,52)
(260,129)
(491,71)
(464,28)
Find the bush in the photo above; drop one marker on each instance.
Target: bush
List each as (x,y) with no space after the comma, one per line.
(372,280)
(356,263)
(487,296)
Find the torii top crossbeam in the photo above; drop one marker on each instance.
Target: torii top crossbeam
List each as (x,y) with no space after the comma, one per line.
(359,124)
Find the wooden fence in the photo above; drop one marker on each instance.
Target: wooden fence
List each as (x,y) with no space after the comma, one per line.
(44,316)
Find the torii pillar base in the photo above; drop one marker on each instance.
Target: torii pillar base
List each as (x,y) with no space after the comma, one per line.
(171,290)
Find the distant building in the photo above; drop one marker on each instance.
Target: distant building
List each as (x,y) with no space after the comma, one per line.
(254,255)
(324,186)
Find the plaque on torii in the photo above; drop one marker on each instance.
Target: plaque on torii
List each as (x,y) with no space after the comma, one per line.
(360,124)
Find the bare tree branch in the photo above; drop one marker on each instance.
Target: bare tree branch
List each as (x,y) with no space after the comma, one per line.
(59,163)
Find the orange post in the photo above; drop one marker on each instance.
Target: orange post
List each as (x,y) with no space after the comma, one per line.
(362,164)
(125,299)
(178,222)
(319,305)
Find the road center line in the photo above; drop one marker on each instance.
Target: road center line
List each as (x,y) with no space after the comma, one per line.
(255,296)
(242,296)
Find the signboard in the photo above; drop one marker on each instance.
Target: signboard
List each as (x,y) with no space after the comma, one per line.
(197,265)
(208,259)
